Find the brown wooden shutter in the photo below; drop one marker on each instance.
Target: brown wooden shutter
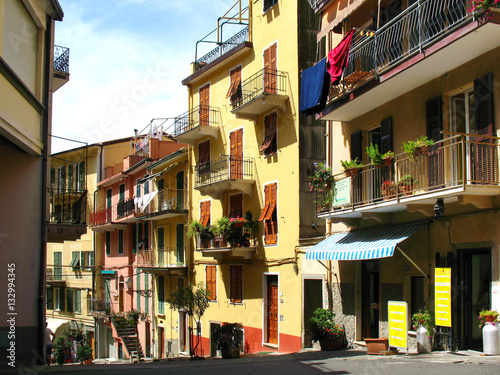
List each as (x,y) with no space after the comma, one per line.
(204,105)
(270,70)
(235,203)
(270,218)
(211,275)
(235,77)
(205,213)
(236,149)
(236,284)
(269,145)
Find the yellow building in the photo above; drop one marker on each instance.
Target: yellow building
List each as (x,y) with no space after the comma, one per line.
(251,153)
(31,70)
(415,68)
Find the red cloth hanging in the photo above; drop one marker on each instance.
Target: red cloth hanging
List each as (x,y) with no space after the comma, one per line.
(338,58)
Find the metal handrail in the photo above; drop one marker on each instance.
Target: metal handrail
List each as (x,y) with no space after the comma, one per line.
(457,161)
(61,59)
(221,49)
(223,168)
(200,115)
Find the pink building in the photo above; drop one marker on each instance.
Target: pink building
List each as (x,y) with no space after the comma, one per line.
(123,199)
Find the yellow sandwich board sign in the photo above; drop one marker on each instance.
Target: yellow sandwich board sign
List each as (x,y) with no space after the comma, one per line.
(398,324)
(443,296)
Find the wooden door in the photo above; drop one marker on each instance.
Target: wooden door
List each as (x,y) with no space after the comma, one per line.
(182,332)
(204,105)
(270,70)
(161,342)
(272,312)
(236,158)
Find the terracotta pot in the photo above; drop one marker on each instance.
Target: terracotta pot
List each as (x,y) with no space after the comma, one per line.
(352,172)
(490,318)
(388,161)
(407,189)
(377,346)
(330,344)
(87,362)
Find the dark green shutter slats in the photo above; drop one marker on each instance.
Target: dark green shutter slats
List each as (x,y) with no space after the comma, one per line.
(356,150)
(386,135)
(483,104)
(434,118)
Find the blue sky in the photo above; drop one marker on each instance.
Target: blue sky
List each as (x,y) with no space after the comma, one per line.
(127,60)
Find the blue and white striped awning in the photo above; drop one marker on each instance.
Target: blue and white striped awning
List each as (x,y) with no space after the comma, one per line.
(360,245)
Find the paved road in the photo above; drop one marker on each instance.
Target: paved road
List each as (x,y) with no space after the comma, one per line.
(314,362)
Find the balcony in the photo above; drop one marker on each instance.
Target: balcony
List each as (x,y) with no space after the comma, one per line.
(162,261)
(61,66)
(461,169)
(425,41)
(220,248)
(260,93)
(99,308)
(223,174)
(68,214)
(197,123)
(222,49)
(165,204)
(55,276)
(105,219)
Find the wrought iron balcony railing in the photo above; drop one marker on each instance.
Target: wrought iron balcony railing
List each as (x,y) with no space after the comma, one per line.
(460,162)
(99,305)
(198,116)
(125,208)
(67,206)
(416,28)
(168,200)
(61,59)
(100,217)
(223,168)
(266,81)
(223,48)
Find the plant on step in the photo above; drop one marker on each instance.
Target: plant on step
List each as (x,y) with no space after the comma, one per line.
(487,316)
(323,327)
(423,318)
(374,154)
(228,335)
(321,179)
(84,353)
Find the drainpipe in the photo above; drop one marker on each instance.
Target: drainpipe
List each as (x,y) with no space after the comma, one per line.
(43,225)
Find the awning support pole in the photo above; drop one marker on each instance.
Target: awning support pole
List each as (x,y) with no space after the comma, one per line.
(412,262)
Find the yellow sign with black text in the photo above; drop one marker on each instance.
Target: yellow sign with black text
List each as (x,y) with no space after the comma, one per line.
(442,294)
(398,324)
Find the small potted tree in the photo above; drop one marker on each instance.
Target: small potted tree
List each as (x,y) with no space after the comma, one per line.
(228,338)
(388,158)
(84,354)
(374,155)
(324,329)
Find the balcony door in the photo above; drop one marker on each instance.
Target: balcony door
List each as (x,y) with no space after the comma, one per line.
(236,158)
(204,105)
(270,70)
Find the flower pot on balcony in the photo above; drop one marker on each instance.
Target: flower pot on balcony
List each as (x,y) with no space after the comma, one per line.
(377,346)
(352,172)
(407,190)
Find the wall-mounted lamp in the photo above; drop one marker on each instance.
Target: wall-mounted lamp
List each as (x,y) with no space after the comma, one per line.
(129,283)
(439,207)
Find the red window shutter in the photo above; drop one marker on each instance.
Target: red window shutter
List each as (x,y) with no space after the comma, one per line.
(204,105)
(270,73)
(211,282)
(270,218)
(235,204)
(205,213)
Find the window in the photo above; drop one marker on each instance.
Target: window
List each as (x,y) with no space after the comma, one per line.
(270,70)
(78,301)
(234,92)
(203,165)
(236,294)
(146,299)
(86,259)
(161,246)
(120,242)
(138,287)
(108,243)
(205,213)
(146,187)
(50,299)
(138,190)
(268,4)
(236,205)
(122,193)
(161,295)
(81,176)
(269,146)
(75,260)
(59,299)
(269,215)
(211,281)
(57,265)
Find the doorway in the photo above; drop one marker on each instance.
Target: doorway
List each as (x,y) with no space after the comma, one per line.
(161,342)
(370,295)
(272,309)
(213,346)
(474,282)
(313,299)
(182,331)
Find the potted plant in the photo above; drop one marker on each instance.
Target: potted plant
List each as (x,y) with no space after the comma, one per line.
(487,316)
(324,329)
(322,178)
(406,184)
(387,158)
(198,230)
(422,324)
(388,189)
(351,167)
(415,148)
(228,338)
(84,354)
(374,155)
(221,230)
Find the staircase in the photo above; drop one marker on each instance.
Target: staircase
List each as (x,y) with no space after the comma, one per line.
(130,338)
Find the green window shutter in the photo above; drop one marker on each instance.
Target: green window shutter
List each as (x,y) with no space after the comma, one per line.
(122,192)
(78,301)
(57,265)
(75,259)
(108,198)
(179,229)
(180,190)
(138,287)
(92,260)
(62,187)
(483,104)
(52,178)
(161,246)
(82,259)
(161,294)
(108,243)
(146,235)
(138,190)
(161,185)
(134,238)
(356,150)
(81,176)
(69,300)
(50,299)
(434,118)
(70,177)
(146,187)
(120,241)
